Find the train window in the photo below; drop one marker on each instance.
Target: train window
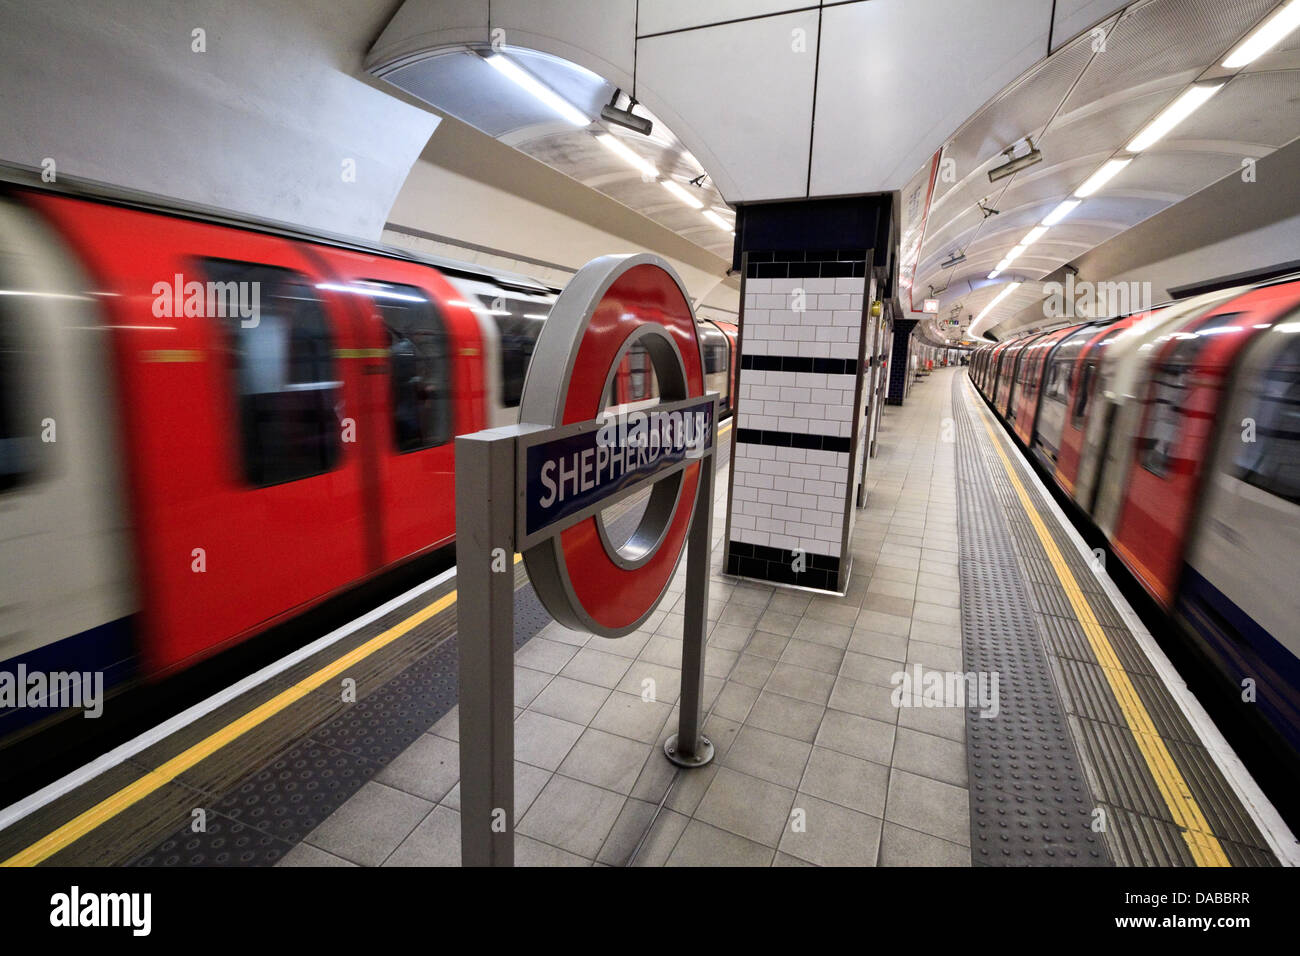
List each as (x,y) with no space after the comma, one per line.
(419,366)
(715,358)
(288,393)
(1272,461)
(638,378)
(1167,397)
(19,440)
(519,322)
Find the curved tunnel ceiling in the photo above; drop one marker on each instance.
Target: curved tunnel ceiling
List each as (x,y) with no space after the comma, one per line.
(459,80)
(1082,106)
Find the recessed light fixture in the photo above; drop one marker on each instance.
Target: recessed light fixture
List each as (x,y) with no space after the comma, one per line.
(539,90)
(1265,36)
(1172,115)
(627,154)
(1060,212)
(718,221)
(1109,170)
(681,194)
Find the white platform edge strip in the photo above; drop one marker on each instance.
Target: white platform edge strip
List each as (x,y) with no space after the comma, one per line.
(1274,829)
(82,775)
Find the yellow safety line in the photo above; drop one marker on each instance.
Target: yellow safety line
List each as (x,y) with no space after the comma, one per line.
(1205,847)
(133,793)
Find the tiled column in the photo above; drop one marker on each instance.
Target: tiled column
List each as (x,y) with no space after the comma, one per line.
(900,361)
(809,268)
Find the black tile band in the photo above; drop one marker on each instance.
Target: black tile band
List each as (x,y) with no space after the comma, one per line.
(756,436)
(809,255)
(763,563)
(806,270)
(795,363)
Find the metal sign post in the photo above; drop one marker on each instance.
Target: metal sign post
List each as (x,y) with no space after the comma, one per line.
(540,487)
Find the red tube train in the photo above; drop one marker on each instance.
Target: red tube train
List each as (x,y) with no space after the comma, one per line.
(208,426)
(1177,432)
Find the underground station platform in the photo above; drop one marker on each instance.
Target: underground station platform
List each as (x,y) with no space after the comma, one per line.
(960,563)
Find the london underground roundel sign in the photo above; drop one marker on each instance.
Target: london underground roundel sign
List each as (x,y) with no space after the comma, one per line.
(595,452)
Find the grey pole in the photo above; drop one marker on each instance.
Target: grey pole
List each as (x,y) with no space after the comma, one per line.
(688,747)
(485,582)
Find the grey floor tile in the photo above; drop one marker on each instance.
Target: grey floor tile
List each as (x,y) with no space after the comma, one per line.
(632,825)
(530,852)
(755,809)
(931,806)
(832,835)
(555,631)
(428,768)
(663,836)
(596,667)
(801,683)
(900,846)
(947,722)
(572,815)
(752,671)
(785,859)
(304,854)
(883,623)
(370,824)
(934,656)
(570,700)
(871,670)
(628,715)
(544,741)
(606,760)
(543,655)
(528,684)
(847,780)
(652,681)
(729,637)
(776,622)
(435,842)
(817,657)
(735,701)
(863,699)
(629,645)
(786,715)
(790,602)
(937,614)
(823,632)
(765,645)
(832,611)
(768,756)
(857,736)
(890,646)
(704,845)
(930,756)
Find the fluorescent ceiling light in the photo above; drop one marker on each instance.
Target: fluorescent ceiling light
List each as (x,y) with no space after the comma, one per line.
(1266,36)
(682,194)
(1101,177)
(628,155)
(540,91)
(996,300)
(1014,254)
(995,273)
(1172,115)
(1060,212)
(718,221)
(1033,235)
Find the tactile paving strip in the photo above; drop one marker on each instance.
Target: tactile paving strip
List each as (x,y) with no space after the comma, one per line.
(1030,802)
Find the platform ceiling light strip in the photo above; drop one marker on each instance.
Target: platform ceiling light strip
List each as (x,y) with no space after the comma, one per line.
(1109,170)
(1033,235)
(1060,212)
(718,221)
(1171,116)
(539,90)
(628,155)
(996,300)
(681,194)
(1266,36)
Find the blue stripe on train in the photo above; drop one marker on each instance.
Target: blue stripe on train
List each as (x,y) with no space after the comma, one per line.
(1243,650)
(109,648)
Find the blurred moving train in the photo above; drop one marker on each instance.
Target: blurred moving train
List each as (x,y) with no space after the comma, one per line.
(1177,432)
(177,475)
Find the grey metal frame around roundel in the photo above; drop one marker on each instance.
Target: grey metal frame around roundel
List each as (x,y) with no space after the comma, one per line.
(545,395)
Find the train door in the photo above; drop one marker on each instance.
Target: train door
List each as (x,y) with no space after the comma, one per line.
(1238,594)
(422,363)
(66,593)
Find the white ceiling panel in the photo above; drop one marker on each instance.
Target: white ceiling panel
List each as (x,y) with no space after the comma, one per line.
(663,16)
(748,126)
(895,81)
(1075,16)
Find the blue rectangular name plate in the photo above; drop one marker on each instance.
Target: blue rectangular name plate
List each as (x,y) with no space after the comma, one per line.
(571,472)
